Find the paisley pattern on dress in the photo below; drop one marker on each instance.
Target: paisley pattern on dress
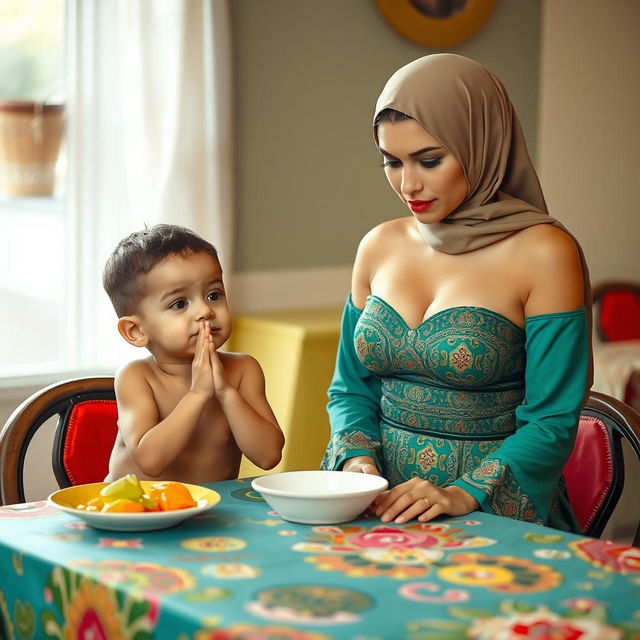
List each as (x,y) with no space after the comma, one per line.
(441,461)
(345,441)
(507,497)
(449,391)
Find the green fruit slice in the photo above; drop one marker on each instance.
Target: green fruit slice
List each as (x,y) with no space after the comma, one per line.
(126,487)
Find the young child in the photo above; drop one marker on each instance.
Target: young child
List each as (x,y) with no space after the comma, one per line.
(187,412)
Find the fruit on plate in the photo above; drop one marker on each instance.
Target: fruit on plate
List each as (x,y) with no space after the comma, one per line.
(123,505)
(128,487)
(95,504)
(126,495)
(171,496)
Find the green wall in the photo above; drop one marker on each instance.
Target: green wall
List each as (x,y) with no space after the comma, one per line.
(307,74)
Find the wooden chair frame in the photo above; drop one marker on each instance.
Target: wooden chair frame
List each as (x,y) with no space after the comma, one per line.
(621,422)
(56,399)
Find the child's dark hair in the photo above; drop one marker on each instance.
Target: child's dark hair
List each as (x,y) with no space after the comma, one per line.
(138,253)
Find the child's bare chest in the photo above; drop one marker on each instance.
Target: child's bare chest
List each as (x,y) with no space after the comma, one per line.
(212,428)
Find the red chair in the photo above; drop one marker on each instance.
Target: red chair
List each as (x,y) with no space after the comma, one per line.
(84,434)
(617,310)
(595,470)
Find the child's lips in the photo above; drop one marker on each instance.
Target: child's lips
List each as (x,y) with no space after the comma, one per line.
(212,331)
(197,333)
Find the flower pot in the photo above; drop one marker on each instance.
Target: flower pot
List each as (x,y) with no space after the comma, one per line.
(30,138)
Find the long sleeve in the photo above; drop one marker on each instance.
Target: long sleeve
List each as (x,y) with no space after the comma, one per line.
(354,401)
(520,478)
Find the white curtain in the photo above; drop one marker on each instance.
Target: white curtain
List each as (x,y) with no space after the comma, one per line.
(176,84)
(149,134)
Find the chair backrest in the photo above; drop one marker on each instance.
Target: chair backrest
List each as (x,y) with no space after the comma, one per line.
(617,310)
(84,434)
(595,470)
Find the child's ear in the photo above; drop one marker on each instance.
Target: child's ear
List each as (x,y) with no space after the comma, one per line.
(130,329)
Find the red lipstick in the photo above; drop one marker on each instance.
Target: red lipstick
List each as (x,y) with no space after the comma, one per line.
(420,206)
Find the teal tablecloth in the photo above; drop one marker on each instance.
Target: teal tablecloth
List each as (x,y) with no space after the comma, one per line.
(239,571)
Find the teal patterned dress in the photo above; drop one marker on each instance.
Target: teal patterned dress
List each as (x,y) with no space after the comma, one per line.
(465,398)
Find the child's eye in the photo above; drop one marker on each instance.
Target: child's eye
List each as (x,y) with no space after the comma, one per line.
(178,305)
(213,296)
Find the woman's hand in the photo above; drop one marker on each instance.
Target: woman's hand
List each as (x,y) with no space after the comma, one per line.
(361,464)
(421,499)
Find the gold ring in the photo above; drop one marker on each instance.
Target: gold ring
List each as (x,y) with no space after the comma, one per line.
(428,504)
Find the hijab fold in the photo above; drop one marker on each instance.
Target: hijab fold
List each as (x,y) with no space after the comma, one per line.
(466,107)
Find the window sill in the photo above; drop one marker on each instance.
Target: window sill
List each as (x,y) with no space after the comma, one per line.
(53,204)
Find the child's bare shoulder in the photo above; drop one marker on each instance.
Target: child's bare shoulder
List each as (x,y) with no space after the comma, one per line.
(235,361)
(136,371)
(239,364)
(244,371)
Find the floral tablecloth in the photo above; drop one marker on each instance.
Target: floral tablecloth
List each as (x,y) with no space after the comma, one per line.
(239,571)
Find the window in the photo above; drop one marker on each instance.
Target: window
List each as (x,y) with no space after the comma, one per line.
(31,51)
(32,201)
(146,89)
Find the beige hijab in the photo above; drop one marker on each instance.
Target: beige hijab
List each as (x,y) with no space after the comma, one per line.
(467,109)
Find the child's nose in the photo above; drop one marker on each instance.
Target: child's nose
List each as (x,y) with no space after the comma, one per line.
(204,311)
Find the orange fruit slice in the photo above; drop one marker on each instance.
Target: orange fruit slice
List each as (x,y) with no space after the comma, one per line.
(122,505)
(171,496)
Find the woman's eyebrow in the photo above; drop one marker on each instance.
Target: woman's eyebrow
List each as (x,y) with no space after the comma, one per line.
(412,154)
(424,150)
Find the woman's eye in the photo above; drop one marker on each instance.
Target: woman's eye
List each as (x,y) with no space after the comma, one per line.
(394,164)
(430,164)
(178,305)
(214,295)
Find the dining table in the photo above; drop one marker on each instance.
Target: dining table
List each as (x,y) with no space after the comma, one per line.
(239,571)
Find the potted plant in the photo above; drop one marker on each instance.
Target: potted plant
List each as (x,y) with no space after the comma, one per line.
(31,133)
(31,129)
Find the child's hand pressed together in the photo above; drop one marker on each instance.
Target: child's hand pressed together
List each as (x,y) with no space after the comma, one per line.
(208,376)
(220,380)
(202,380)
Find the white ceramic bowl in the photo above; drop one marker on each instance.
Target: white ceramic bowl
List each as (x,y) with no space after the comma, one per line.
(319,497)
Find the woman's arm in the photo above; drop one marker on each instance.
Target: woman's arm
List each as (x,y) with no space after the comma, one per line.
(354,401)
(354,392)
(520,478)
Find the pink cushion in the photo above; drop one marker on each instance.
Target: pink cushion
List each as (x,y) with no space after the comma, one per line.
(589,470)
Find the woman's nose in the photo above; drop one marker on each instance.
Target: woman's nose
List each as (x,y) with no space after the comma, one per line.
(411,183)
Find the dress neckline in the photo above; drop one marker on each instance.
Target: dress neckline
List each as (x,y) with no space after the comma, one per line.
(496,314)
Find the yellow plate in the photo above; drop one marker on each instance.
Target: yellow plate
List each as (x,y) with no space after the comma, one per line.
(67,499)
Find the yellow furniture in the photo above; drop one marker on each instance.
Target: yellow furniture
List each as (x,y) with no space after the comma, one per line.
(297,351)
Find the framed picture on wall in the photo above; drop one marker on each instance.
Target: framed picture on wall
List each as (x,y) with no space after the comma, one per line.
(437,23)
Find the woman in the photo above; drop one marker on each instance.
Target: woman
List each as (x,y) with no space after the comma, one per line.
(465,356)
